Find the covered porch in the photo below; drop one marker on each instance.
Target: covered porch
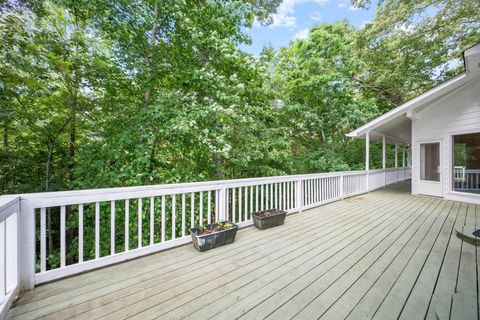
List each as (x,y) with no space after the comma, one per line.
(382,255)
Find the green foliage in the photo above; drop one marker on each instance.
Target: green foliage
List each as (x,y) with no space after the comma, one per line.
(144,92)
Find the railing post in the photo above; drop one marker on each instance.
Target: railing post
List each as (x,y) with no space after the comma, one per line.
(26,246)
(341,187)
(222,203)
(299,195)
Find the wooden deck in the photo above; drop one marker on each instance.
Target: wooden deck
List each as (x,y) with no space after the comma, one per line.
(385,255)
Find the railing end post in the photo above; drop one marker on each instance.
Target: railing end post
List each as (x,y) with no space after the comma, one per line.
(299,195)
(26,246)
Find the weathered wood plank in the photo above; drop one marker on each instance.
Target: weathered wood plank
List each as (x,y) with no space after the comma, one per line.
(219,300)
(295,283)
(390,308)
(373,280)
(417,303)
(324,291)
(467,271)
(369,303)
(447,278)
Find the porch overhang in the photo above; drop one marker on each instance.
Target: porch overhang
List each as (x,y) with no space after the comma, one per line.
(396,125)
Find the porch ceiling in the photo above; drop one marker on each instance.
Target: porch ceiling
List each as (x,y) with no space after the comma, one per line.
(398,130)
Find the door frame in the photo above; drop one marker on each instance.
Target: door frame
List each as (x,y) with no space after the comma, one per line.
(423,184)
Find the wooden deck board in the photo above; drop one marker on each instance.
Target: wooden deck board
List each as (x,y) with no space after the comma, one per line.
(372,286)
(385,254)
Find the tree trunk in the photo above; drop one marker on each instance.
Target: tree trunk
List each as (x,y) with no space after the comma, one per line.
(153,35)
(47,165)
(5,152)
(218,165)
(72,143)
(5,135)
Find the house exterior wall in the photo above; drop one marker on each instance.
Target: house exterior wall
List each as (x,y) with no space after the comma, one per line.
(456,113)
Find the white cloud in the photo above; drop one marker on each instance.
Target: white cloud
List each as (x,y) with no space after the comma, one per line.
(316,16)
(285,13)
(301,34)
(407,28)
(343,3)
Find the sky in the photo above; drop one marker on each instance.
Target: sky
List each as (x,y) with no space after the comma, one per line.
(294,19)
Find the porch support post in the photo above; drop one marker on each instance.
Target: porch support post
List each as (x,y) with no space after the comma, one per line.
(367,158)
(367,151)
(396,155)
(409,156)
(384,156)
(384,161)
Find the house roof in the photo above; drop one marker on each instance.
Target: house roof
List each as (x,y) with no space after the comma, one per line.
(395,125)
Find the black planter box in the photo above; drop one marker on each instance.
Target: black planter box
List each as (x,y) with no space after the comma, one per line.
(274,220)
(209,241)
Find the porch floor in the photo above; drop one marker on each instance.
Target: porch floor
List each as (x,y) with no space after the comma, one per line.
(383,255)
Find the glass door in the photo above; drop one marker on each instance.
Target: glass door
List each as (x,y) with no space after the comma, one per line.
(430,161)
(430,169)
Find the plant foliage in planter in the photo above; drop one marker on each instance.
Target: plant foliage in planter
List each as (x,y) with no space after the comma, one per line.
(268,218)
(213,235)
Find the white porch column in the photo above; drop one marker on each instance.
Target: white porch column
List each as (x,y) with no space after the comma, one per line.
(396,155)
(384,162)
(409,156)
(384,156)
(367,151)
(367,159)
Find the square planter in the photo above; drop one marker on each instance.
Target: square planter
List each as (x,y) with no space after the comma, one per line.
(203,241)
(268,218)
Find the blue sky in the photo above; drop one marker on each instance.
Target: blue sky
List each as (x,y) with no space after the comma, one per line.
(295,18)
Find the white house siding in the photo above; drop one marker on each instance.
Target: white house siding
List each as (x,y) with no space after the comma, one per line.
(456,113)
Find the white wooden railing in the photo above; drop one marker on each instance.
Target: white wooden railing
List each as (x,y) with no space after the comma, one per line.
(466,180)
(9,211)
(55,229)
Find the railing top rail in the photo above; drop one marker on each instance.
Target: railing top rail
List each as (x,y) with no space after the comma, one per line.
(56,198)
(8,206)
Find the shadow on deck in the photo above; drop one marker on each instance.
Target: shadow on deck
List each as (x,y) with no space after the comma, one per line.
(382,255)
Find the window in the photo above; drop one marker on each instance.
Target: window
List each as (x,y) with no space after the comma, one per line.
(466,163)
(430,161)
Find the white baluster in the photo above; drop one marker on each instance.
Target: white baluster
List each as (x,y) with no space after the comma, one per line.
(80,233)
(127,225)
(112,227)
(43,240)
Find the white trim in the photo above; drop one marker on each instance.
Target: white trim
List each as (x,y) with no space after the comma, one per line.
(450,162)
(463,197)
(441,164)
(7,301)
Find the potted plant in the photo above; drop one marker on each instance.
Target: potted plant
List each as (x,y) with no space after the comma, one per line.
(268,218)
(213,235)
